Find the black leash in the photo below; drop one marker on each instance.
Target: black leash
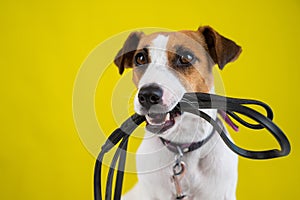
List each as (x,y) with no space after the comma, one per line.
(192,103)
(121,134)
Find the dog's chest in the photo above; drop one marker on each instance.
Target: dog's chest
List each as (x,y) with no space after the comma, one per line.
(210,177)
(160,181)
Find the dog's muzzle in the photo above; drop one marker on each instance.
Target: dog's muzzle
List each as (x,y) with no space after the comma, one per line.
(157,119)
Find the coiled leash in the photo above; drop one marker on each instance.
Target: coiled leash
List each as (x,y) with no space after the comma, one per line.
(192,103)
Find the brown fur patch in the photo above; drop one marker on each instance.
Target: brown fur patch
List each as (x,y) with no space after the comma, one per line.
(196,78)
(208,47)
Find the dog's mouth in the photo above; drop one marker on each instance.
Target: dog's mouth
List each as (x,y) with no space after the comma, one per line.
(160,122)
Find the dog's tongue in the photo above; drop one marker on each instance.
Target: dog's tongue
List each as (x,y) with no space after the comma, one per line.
(157,118)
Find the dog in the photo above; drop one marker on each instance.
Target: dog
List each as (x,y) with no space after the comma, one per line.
(165,66)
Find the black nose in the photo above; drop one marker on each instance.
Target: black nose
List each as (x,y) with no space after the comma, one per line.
(150,95)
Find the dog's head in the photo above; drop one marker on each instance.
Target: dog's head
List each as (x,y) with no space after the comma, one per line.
(168,64)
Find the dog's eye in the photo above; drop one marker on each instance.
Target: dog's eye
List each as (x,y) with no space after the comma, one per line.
(185,59)
(141,58)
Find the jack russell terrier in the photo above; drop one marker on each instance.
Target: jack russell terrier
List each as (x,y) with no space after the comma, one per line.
(165,66)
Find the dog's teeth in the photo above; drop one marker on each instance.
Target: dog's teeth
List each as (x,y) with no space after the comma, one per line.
(151,121)
(167,117)
(154,121)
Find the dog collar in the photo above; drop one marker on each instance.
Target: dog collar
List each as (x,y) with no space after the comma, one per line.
(186,147)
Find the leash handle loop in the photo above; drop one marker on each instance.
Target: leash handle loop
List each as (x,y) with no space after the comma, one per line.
(232,106)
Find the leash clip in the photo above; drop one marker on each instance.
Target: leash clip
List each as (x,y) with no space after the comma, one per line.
(179,170)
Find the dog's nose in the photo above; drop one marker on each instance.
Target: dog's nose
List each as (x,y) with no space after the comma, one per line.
(150,95)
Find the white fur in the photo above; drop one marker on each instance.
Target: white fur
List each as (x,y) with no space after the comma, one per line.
(211,170)
(158,72)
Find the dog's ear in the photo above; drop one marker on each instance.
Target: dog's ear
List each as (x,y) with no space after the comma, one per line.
(221,49)
(125,56)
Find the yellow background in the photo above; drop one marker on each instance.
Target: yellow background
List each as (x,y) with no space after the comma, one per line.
(43,44)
